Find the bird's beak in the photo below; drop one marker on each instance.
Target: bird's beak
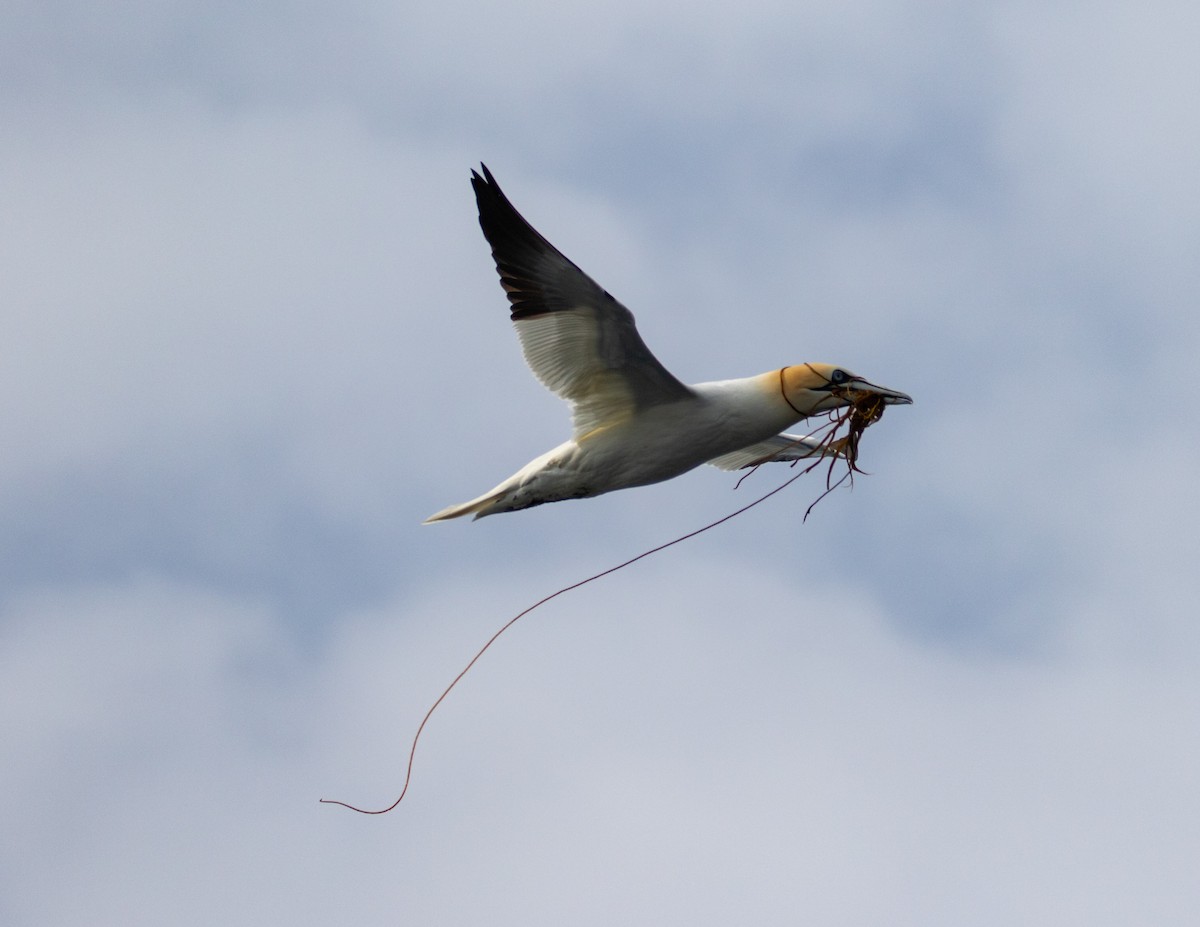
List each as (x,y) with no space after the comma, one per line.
(891,397)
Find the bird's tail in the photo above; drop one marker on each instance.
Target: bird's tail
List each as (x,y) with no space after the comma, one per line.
(477,507)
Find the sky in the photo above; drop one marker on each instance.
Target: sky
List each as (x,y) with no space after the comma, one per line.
(253,336)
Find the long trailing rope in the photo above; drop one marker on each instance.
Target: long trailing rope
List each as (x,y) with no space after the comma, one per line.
(846,448)
(554,595)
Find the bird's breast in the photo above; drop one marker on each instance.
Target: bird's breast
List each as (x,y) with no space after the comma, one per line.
(666,440)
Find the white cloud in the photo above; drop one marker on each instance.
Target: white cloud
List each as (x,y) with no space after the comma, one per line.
(621,736)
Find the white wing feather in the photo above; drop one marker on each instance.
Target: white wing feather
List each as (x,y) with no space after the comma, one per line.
(780,447)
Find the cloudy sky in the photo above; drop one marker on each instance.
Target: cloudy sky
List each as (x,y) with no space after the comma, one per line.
(252,336)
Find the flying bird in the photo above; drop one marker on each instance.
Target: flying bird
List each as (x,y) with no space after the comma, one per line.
(634,422)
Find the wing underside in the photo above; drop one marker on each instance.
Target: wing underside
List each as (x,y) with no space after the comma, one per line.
(782,447)
(580,342)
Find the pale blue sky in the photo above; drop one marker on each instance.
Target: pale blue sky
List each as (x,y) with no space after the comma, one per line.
(252,336)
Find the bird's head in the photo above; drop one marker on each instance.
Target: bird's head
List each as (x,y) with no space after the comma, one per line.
(813,388)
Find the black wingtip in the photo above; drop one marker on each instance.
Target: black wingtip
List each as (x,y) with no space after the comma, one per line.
(498,216)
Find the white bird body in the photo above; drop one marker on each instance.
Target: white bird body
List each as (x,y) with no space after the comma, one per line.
(658,444)
(634,423)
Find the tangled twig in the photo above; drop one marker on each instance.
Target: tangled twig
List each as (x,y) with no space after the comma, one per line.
(862,411)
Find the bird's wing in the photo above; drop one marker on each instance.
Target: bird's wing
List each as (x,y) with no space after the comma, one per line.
(579,341)
(780,447)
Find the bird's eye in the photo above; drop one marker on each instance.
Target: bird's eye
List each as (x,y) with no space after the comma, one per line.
(838,377)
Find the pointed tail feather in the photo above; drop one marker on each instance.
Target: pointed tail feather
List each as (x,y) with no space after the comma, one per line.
(477,507)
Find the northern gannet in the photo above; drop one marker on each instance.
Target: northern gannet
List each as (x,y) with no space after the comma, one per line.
(634,423)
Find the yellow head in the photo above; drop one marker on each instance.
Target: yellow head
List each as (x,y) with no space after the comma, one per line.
(813,388)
